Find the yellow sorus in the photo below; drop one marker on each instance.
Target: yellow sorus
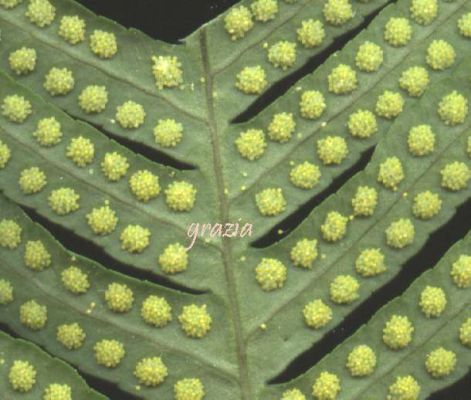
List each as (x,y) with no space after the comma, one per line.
(238,22)
(130,115)
(119,297)
(16,108)
(93,99)
(56,391)
(361,361)
(135,238)
(22,376)
(102,220)
(59,81)
(389,104)
(421,140)
(103,44)
(344,289)
(334,227)
(440,362)
(151,371)
(332,150)
(270,274)
(453,108)
(64,201)
(23,60)
(10,234)
(398,31)
(342,79)
(281,127)
(114,166)
(72,29)
(311,33)
(400,233)
(32,180)
(251,144)
(33,315)
(397,332)
(156,311)
(326,386)
(251,80)
(195,320)
(109,352)
(390,173)
(75,280)
(180,196)
(270,202)
(174,259)
(36,255)
(48,132)
(81,151)
(404,388)
(144,185)
(264,10)
(40,12)
(71,336)
(168,133)
(189,389)
(338,12)
(167,71)
(317,314)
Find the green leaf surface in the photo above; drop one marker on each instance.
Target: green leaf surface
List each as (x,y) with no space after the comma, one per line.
(183,356)
(49,370)
(286,329)
(135,53)
(429,334)
(275,166)
(257,324)
(222,99)
(259,308)
(128,76)
(94,189)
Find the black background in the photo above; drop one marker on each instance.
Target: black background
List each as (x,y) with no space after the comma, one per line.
(171,20)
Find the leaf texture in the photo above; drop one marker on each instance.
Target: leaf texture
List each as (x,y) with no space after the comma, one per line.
(429,334)
(291,334)
(254,295)
(48,371)
(132,80)
(90,311)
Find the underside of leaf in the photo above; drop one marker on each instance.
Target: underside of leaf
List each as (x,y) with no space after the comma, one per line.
(222,182)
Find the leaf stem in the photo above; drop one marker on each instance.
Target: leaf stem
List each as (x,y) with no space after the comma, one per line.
(246,392)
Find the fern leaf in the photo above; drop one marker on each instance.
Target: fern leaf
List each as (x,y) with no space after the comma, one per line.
(92,183)
(80,298)
(437,323)
(183,99)
(24,366)
(342,257)
(280,160)
(245,309)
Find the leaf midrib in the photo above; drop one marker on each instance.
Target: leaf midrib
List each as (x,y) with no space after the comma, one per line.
(226,249)
(224,205)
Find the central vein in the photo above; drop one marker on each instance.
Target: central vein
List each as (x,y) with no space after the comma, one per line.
(224,218)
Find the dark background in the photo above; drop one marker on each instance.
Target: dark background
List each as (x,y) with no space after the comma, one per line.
(171,20)
(168,20)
